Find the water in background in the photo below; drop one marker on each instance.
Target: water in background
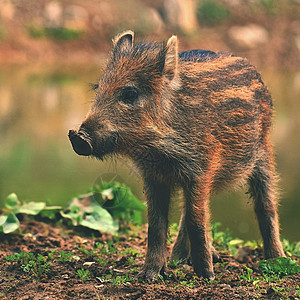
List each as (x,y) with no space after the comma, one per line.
(39,104)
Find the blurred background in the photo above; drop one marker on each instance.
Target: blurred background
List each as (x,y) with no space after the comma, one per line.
(51,50)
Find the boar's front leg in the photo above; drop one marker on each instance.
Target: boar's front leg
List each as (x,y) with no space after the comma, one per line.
(197,195)
(158,196)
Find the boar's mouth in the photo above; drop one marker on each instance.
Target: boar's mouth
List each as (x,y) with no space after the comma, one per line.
(80,143)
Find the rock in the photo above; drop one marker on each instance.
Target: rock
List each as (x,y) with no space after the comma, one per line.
(53,14)
(104,16)
(138,16)
(180,15)
(7,10)
(154,19)
(296,83)
(150,21)
(51,97)
(248,37)
(6,103)
(297,41)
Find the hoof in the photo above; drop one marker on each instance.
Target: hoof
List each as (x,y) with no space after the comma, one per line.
(150,274)
(206,274)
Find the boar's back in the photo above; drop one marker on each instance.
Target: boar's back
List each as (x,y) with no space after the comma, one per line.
(197,55)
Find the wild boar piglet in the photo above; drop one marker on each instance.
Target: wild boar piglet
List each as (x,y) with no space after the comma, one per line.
(196,120)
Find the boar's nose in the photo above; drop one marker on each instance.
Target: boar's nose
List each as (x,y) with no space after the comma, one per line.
(80,143)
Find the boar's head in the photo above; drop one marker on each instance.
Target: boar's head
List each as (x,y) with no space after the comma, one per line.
(133,103)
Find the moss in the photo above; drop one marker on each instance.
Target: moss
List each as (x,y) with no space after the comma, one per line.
(212,13)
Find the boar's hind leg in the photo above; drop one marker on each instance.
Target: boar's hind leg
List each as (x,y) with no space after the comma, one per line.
(181,250)
(262,189)
(197,215)
(158,195)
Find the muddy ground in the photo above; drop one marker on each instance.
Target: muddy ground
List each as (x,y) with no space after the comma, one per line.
(85,265)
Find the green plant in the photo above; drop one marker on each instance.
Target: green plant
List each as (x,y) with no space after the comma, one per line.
(220,237)
(134,270)
(9,223)
(118,280)
(83,274)
(87,252)
(13,206)
(97,295)
(52,255)
(54,33)
(298,290)
(35,265)
(110,247)
(85,211)
(179,274)
(291,248)
(100,208)
(161,278)
(253,244)
(130,251)
(65,256)
(174,263)
(190,284)
(275,268)
(224,239)
(119,201)
(211,12)
(247,274)
(130,260)
(102,262)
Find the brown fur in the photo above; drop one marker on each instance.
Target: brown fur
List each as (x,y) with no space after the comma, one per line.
(200,124)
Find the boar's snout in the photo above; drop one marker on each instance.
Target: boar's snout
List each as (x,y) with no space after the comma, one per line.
(80,142)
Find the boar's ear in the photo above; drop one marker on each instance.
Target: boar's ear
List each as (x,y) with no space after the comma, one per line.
(123,41)
(171,58)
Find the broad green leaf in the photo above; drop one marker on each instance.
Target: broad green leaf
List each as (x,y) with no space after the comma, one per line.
(12,201)
(86,211)
(2,220)
(52,208)
(31,208)
(252,244)
(11,224)
(101,220)
(107,202)
(124,205)
(235,242)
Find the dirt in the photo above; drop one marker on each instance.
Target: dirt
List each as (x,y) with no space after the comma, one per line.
(113,264)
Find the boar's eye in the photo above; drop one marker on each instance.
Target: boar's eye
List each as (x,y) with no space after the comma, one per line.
(129,95)
(94,86)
